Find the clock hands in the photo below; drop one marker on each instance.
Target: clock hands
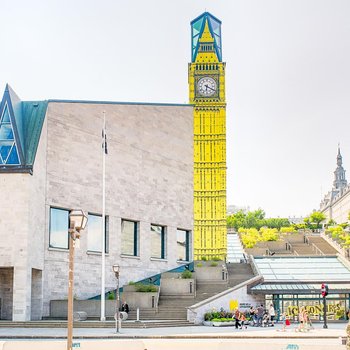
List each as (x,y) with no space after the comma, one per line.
(208,87)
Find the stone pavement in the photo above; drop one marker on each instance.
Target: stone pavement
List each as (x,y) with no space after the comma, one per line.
(176,338)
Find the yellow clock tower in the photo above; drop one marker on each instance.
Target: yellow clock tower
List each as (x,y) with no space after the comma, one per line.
(206,75)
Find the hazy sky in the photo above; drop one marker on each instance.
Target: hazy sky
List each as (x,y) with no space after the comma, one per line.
(287,78)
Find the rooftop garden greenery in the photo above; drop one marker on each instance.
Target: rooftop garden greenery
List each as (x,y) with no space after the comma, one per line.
(250,237)
(338,234)
(254,219)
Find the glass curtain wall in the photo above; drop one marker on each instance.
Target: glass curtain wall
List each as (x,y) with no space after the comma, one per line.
(336,304)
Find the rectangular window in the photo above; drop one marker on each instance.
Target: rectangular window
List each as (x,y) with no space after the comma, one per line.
(94,233)
(183,245)
(158,240)
(59,223)
(130,238)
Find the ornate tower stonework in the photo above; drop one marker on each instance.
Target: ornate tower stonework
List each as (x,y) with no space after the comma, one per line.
(207,93)
(339,173)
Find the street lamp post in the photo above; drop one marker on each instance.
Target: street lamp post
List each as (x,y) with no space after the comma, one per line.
(77,222)
(116,272)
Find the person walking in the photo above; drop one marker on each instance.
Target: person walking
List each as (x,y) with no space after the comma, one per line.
(236,316)
(260,315)
(301,317)
(272,314)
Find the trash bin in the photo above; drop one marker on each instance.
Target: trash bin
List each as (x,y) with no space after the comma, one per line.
(79,315)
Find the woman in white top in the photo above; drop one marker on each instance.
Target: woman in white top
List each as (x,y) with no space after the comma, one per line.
(272,314)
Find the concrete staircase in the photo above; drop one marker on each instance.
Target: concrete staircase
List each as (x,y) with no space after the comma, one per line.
(176,308)
(238,273)
(235,252)
(322,245)
(303,249)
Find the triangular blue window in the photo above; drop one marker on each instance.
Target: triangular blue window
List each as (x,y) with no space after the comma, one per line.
(8,148)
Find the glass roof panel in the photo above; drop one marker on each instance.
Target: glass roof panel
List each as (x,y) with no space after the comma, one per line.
(6,132)
(4,151)
(13,157)
(303,269)
(6,116)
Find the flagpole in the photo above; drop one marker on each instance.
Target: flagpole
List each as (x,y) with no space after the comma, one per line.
(103,264)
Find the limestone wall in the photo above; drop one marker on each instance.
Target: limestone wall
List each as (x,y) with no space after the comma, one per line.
(149,179)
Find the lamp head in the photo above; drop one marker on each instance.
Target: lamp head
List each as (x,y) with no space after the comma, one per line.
(115,268)
(78,219)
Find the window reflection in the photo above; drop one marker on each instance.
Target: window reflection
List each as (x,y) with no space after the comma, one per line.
(94,233)
(182,245)
(59,222)
(129,238)
(157,241)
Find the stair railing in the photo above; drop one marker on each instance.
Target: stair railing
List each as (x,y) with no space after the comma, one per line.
(317,250)
(158,294)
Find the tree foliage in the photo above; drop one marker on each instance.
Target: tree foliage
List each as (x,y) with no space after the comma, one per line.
(255,219)
(317,217)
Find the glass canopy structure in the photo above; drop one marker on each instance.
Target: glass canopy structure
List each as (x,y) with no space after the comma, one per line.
(197,28)
(302,269)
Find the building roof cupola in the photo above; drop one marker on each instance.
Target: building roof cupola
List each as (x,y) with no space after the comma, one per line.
(339,173)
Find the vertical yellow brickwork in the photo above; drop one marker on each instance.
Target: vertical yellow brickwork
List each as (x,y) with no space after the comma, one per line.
(208,97)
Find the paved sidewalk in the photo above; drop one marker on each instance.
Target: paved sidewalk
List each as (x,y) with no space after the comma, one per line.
(334,331)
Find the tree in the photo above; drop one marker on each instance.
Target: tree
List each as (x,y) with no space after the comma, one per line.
(236,220)
(317,217)
(331,222)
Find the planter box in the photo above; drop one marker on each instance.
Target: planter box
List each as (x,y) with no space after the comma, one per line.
(207,273)
(173,285)
(224,324)
(58,308)
(142,300)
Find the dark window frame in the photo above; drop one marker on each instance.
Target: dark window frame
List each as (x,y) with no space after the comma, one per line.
(135,237)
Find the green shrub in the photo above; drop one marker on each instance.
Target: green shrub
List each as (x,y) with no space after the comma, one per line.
(269,234)
(199,265)
(186,274)
(213,264)
(208,316)
(145,288)
(111,296)
(216,258)
(131,283)
(204,258)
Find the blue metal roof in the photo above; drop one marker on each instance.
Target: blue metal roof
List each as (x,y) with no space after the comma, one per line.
(20,132)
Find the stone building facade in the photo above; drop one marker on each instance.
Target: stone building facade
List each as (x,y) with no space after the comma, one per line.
(336,203)
(51,162)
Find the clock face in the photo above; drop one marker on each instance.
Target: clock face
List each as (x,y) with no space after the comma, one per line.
(206,86)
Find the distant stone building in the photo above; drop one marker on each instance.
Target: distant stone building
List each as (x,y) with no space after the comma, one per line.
(336,203)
